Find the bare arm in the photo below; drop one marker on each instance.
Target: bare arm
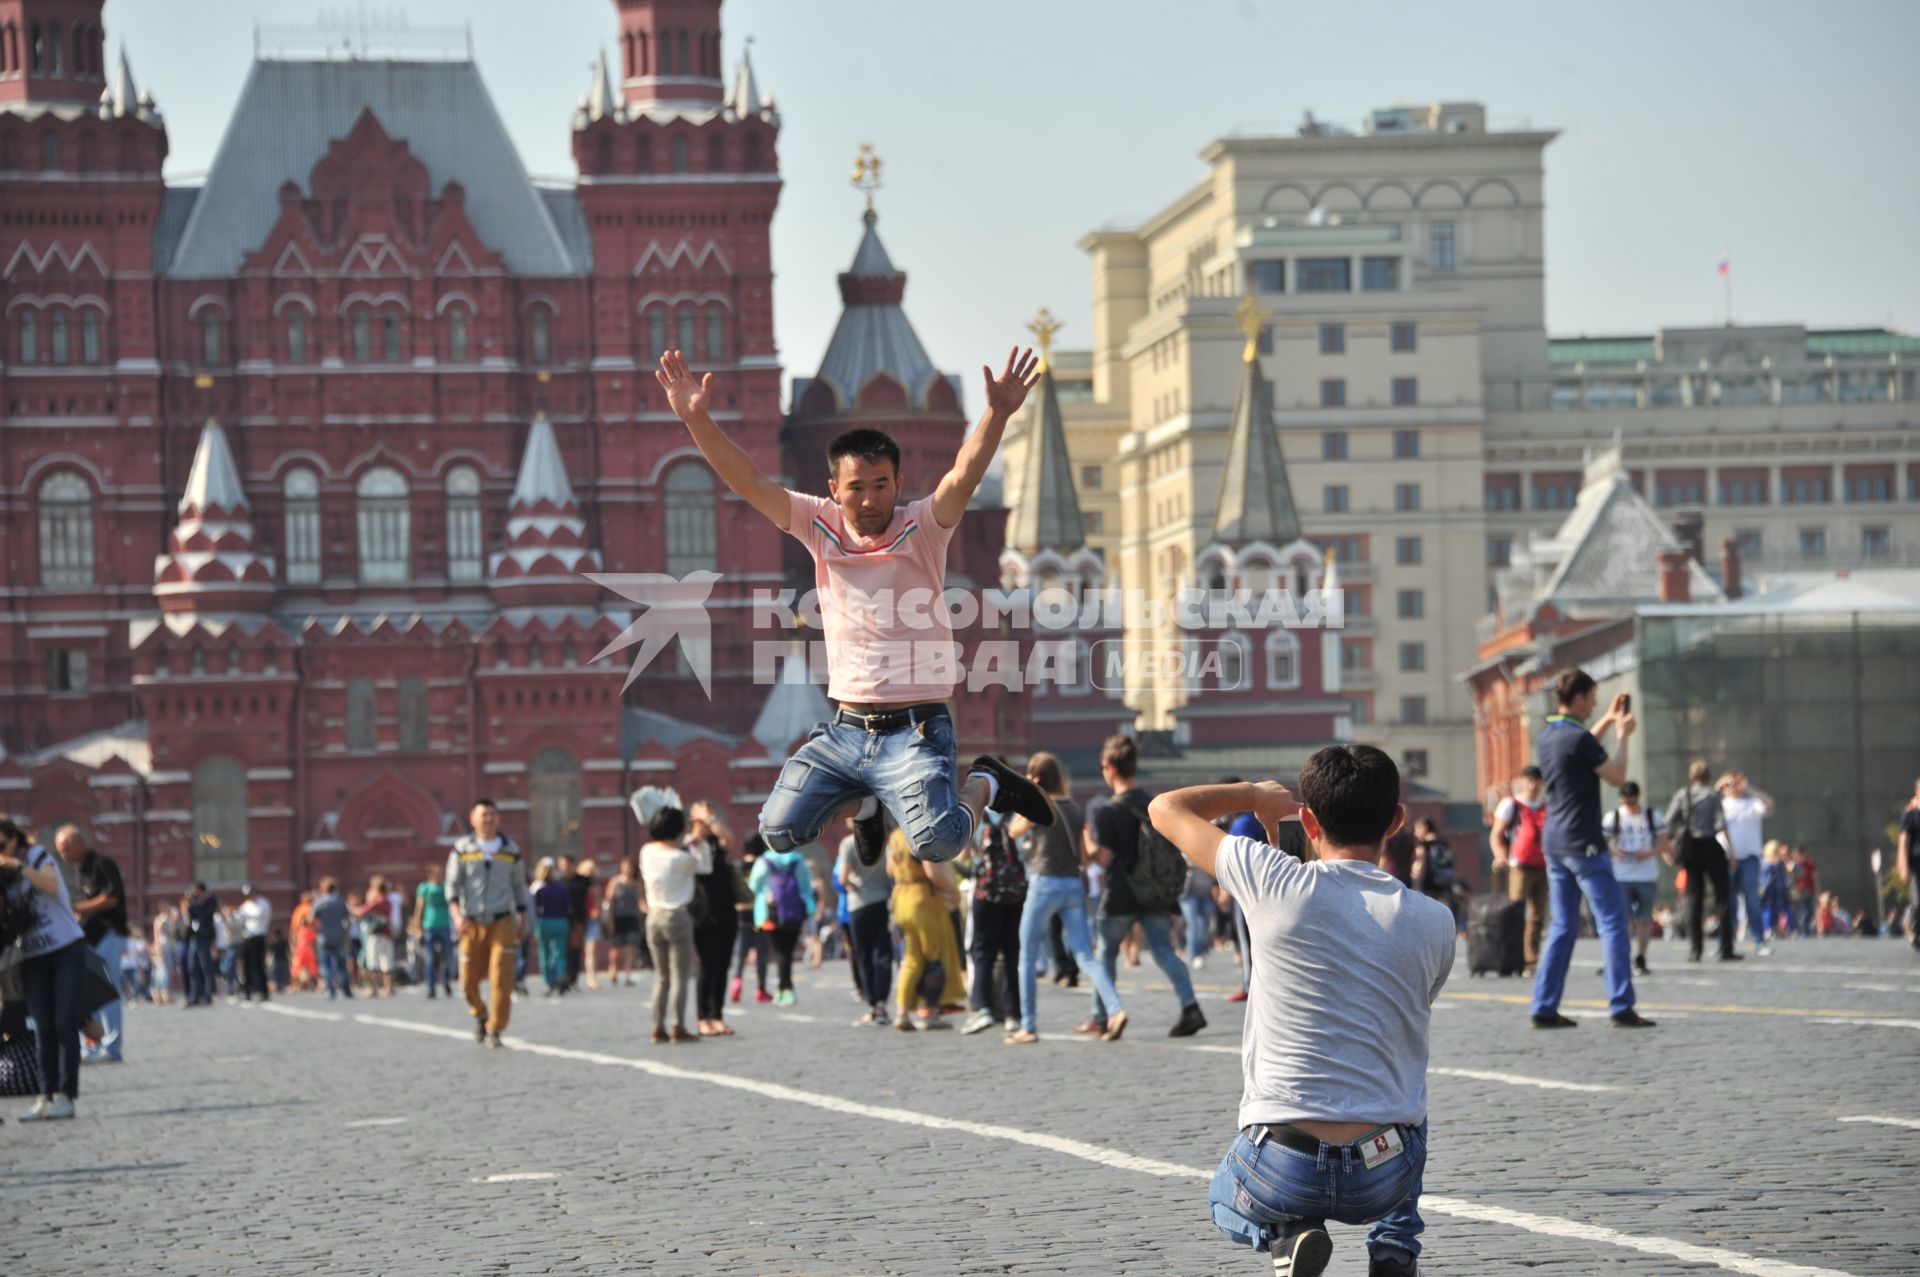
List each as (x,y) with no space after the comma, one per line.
(45,879)
(1186,816)
(689,401)
(1499,839)
(1004,397)
(1614,770)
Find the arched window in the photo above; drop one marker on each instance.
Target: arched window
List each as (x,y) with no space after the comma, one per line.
(692,534)
(390,337)
(716,154)
(680,155)
(752,164)
(59,53)
(360,726)
(296,336)
(89,336)
(643,160)
(641,60)
(302,490)
(1256,577)
(603,154)
(220,821)
(626,56)
(58,350)
(716,332)
(553,804)
(383,518)
(29,337)
(37,48)
(657,331)
(413,715)
(212,346)
(362,337)
(541,338)
(457,335)
(50,152)
(1283,660)
(687,326)
(680,42)
(463,524)
(1233,662)
(66,530)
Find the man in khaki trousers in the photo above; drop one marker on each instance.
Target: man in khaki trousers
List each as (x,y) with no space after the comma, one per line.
(487,893)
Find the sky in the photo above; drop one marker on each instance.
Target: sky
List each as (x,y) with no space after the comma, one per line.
(1769,131)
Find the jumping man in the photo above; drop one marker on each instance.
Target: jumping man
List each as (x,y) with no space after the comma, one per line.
(880,570)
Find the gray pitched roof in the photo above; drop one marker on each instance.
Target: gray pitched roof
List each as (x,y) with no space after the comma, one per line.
(1256,501)
(1048,514)
(873,335)
(1606,553)
(290,111)
(176,206)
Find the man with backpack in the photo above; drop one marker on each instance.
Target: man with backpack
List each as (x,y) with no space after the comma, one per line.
(1519,849)
(1638,837)
(1145,877)
(783,900)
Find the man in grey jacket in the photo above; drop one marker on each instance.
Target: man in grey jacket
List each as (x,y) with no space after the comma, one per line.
(487,895)
(1695,816)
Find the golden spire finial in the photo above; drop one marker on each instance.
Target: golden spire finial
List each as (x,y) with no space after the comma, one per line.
(1252,318)
(1043,327)
(866,172)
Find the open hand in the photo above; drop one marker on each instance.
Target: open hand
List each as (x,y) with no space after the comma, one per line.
(688,398)
(1007,392)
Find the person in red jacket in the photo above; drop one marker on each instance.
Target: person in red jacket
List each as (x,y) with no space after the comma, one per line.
(1517,848)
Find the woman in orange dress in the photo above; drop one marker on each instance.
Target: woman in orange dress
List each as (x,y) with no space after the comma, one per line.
(306,958)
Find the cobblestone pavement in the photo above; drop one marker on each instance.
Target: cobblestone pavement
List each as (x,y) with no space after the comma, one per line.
(373,1137)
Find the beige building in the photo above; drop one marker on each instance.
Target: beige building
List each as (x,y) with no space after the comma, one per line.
(1427,422)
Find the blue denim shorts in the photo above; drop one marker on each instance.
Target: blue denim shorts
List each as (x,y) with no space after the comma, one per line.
(910,769)
(1640,897)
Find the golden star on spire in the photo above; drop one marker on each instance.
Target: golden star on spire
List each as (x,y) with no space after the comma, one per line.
(1043,326)
(866,172)
(1252,318)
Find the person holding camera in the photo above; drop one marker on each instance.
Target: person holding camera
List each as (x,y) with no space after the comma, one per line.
(1574,762)
(52,965)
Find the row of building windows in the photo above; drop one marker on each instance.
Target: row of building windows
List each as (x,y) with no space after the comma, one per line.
(383,521)
(48,48)
(1405,392)
(1795,485)
(1810,543)
(1337,498)
(1699,390)
(1403,337)
(680,154)
(1333,445)
(1379,274)
(49,337)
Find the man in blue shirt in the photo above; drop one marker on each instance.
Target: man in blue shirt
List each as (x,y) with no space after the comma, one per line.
(1574,763)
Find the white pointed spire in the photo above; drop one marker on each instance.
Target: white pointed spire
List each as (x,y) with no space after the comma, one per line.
(213,483)
(745,98)
(1330,578)
(543,473)
(126,98)
(600,100)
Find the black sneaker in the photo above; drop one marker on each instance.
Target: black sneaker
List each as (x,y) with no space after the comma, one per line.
(493,1042)
(1016,794)
(1640,964)
(870,837)
(1306,1254)
(1391,1261)
(1555,1021)
(1191,1021)
(480,1031)
(1732,957)
(1631,1020)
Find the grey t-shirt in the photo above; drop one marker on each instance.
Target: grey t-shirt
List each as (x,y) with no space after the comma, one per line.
(865,886)
(1346,965)
(1695,810)
(1054,851)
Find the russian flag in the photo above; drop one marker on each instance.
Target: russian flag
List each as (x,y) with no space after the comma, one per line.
(1726,265)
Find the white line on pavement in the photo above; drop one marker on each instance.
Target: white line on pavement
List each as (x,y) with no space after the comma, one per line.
(1519,1079)
(1907,1122)
(296,1012)
(791,1018)
(1217,1050)
(1547,1225)
(377,1121)
(1876,1024)
(515,1177)
(1882,988)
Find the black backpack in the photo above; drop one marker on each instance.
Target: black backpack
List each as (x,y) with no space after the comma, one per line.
(1158,876)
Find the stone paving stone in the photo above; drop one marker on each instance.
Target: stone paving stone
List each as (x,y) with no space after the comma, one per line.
(223,1147)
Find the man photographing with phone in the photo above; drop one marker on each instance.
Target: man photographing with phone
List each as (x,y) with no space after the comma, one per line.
(1574,763)
(1346,965)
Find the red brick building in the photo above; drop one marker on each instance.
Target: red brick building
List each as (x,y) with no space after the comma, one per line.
(300,467)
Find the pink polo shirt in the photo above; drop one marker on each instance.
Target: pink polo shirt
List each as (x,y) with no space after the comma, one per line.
(889,638)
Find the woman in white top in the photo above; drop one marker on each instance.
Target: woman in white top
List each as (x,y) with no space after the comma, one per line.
(668,872)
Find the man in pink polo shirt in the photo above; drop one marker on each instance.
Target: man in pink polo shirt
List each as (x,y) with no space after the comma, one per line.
(880,568)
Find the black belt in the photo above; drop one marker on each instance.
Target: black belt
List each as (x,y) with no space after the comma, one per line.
(887,720)
(1300,1141)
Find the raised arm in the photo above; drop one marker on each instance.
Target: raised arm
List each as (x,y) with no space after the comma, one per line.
(1614,770)
(689,400)
(1185,816)
(1004,397)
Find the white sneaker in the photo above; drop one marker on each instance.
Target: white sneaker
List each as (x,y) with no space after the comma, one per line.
(62,1107)
(1762,951)
(1199,963)
(42,1108)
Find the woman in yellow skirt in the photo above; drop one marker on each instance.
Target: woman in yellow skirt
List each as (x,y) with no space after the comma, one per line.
(923,894)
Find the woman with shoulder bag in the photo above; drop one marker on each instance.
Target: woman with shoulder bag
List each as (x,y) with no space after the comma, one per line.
(1695,817)
(671,874)
(52,967)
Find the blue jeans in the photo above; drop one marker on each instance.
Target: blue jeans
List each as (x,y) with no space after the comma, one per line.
(553,951)
(1159,929)
(111,1015)
(1266,1192)
(1198,911)
(199,971)
(910,770)
(438,944)
(333,966)
(1046,897)
(1568,877)
(1746,884)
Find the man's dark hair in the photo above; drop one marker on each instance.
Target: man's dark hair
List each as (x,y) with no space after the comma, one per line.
(1630,790)
(866,444)
(1121,754)
(1426,823)
(1353,791)
(12,833)
(484,802)
(1532,772)
(1571,686)
(669,824)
